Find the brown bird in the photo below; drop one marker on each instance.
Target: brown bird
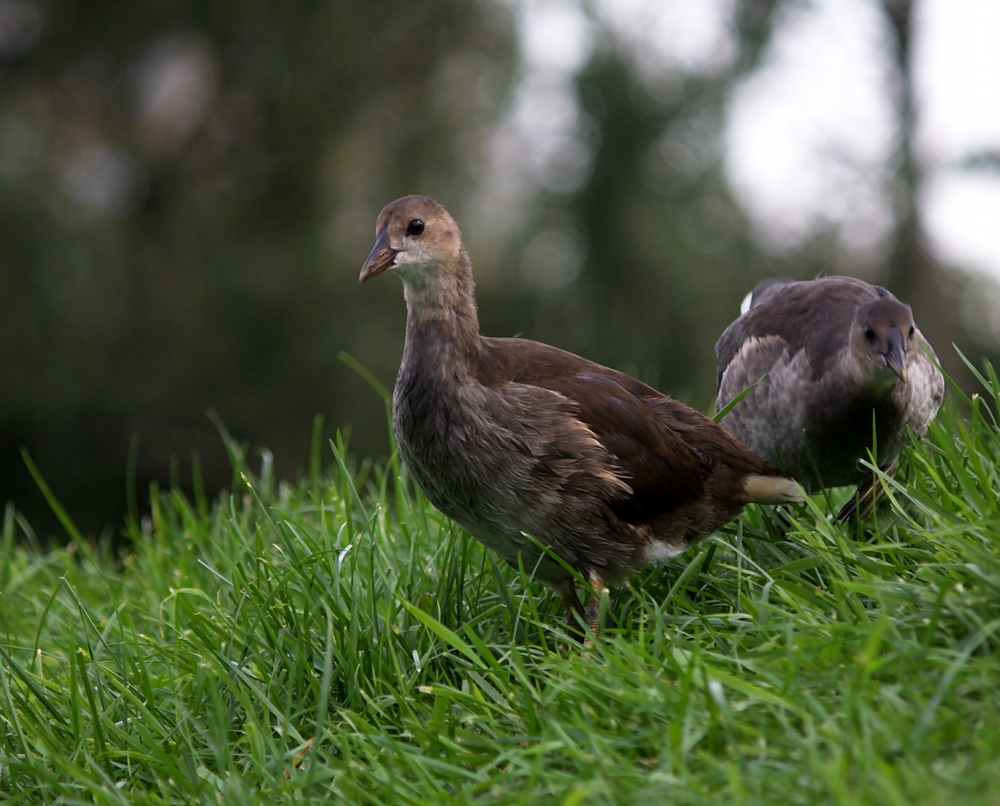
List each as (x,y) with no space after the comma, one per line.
(510,438)
(839,354)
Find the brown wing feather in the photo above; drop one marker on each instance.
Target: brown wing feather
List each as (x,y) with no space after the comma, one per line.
(661,469)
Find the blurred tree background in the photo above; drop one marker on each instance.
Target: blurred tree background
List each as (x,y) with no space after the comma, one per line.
(188,190)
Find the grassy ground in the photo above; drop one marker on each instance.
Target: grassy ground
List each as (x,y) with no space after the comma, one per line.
(337,639)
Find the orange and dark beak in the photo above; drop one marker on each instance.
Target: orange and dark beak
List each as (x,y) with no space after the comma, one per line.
(382,257)
(895,358)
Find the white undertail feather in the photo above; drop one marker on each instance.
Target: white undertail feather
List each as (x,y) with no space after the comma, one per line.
(771,490)
(659,551)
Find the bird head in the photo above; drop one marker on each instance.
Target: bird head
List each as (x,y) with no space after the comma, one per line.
(883,340)
(416,238)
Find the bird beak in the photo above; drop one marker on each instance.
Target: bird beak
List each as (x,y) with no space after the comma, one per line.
(895,358)
(382,257)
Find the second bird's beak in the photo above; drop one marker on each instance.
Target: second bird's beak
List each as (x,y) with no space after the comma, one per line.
(895,359)
(382,257)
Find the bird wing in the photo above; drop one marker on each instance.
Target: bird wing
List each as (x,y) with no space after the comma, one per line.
(660,467)
(627,417)
(814,316)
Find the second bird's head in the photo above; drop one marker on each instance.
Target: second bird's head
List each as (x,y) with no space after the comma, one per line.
(416,238)
(883,339)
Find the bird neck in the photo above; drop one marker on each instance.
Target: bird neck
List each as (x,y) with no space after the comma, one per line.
(442,305)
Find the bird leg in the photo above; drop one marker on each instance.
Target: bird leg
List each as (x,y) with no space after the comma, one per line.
(578,618)
(593,611)
(575,616)
(865,498)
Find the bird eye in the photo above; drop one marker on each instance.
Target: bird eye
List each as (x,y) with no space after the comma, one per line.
(869,333)
(415,227)
(912,330)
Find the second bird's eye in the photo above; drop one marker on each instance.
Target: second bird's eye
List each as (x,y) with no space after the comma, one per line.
(869,333)
(912,329)
(415,227)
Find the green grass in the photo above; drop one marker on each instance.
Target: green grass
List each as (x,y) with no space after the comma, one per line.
(338,640)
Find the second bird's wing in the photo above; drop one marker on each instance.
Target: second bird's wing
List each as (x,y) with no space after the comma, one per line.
(814,316)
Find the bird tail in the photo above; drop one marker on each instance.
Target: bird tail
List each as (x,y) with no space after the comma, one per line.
(759,489)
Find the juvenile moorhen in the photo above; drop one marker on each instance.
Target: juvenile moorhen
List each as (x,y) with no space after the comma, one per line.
(840,355)
(510,438)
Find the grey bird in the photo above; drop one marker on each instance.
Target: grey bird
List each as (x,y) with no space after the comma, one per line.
(537,452)
(840,355)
